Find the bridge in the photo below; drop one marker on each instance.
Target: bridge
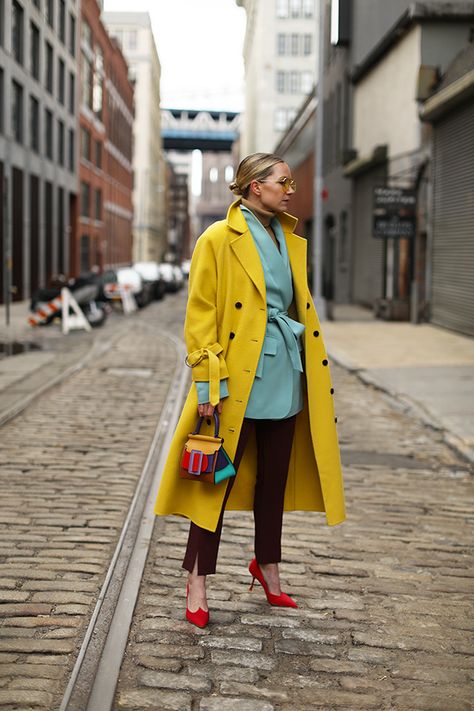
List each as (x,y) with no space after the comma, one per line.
(187,130)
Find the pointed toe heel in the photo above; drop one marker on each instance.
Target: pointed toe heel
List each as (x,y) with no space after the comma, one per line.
(282,600)
(200,618)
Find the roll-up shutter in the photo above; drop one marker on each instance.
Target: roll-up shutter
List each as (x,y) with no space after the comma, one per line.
(368,265)
(452,289)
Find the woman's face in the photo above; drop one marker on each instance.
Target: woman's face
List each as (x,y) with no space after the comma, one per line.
(273,193)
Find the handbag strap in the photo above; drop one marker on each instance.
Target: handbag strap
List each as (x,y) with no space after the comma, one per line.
(216,425)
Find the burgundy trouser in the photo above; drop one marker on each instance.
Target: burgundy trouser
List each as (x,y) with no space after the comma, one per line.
(274,441)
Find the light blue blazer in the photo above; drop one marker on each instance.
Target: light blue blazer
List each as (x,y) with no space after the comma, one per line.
(277,389)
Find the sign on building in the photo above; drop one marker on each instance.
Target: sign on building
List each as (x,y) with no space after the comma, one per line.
(394,212)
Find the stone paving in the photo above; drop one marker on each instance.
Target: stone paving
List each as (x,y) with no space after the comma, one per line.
(69,468)
(385,618)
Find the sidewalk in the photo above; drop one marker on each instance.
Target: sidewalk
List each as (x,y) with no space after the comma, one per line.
(428,368)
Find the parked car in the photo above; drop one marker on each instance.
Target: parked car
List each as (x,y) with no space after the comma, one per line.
(150,273)
(172,276)
(129,278)
(185,267)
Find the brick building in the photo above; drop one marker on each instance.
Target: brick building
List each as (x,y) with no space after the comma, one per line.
(104,220)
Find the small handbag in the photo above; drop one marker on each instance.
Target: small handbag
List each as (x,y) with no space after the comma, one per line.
(204,458)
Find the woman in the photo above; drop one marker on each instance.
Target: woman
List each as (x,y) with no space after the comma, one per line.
(257,356)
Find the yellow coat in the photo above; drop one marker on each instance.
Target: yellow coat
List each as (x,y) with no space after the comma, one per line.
(225,325)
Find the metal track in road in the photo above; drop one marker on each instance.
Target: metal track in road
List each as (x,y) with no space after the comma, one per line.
(97,349)
(94,677)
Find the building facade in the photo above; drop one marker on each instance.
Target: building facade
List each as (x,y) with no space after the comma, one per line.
(280,54)
(133,32)
(450,110)
(104,221)
(38,141)
(391,73)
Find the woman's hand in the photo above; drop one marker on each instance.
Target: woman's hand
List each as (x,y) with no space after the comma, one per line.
(207,410)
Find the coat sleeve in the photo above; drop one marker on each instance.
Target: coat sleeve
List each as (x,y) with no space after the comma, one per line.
(205,353)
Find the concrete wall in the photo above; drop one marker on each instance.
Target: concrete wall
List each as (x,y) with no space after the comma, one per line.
(387,93)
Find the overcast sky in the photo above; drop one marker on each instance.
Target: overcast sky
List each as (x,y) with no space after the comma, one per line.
(199,43)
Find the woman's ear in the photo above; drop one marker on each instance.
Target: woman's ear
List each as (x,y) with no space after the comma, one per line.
(255,187)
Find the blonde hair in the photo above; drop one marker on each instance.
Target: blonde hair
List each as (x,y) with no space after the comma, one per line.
(256,166)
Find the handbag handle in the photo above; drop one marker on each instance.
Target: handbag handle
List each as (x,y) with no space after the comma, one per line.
(216,423)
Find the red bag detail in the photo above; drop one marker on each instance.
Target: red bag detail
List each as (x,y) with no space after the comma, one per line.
(196,469)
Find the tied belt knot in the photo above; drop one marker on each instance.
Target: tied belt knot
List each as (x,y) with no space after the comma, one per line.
(211,353)
(291,330)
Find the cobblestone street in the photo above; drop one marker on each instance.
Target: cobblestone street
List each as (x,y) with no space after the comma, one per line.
(385,599)
(69,468)
(385,617)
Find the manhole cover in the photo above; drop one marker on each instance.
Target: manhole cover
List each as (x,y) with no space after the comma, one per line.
(130,372)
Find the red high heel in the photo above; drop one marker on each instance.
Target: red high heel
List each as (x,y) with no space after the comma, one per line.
(200,618)
(282,600)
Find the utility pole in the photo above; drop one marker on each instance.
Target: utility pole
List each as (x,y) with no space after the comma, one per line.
(318,227)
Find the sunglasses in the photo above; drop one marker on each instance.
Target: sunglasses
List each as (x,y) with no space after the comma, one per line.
(286,183)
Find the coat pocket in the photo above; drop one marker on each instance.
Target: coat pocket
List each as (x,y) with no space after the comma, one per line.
(269,348)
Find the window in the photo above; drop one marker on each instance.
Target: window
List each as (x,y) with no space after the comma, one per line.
(85,253)
(283,118)
(132,39)
(295,8)
(281,44)
(86,72)
(34,50)
(48,134)
(282,8)
(294,44)
(17,32)
(229,173)
(98,154)
(97,95)
(98,203)
(49,78)
(86,33)
(295,83)
(306,82)
(307,44)
(72,150)
(280,119)
(85,199)
(34,124)
(62,21)
(50,12)
(308,8)
(17,111)
(72,93)
(61,82)
(60,143)
(213,175)
(72,35)
(280,82)
(85,144)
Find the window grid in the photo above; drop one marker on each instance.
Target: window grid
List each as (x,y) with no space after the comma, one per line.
(61,82)
(49,69)
(35,50)
(17,111)
(34,124)
(17,32)
(48,134)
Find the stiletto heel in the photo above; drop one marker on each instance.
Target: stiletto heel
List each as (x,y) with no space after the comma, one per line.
(251,585)
(200,618)
(282,600)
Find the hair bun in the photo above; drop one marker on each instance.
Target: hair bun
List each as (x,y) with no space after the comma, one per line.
(234,186)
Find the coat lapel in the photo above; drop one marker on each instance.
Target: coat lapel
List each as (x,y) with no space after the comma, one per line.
(246,252)
(244,247)
(297,254)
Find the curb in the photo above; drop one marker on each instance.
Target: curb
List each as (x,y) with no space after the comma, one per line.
(412,406)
